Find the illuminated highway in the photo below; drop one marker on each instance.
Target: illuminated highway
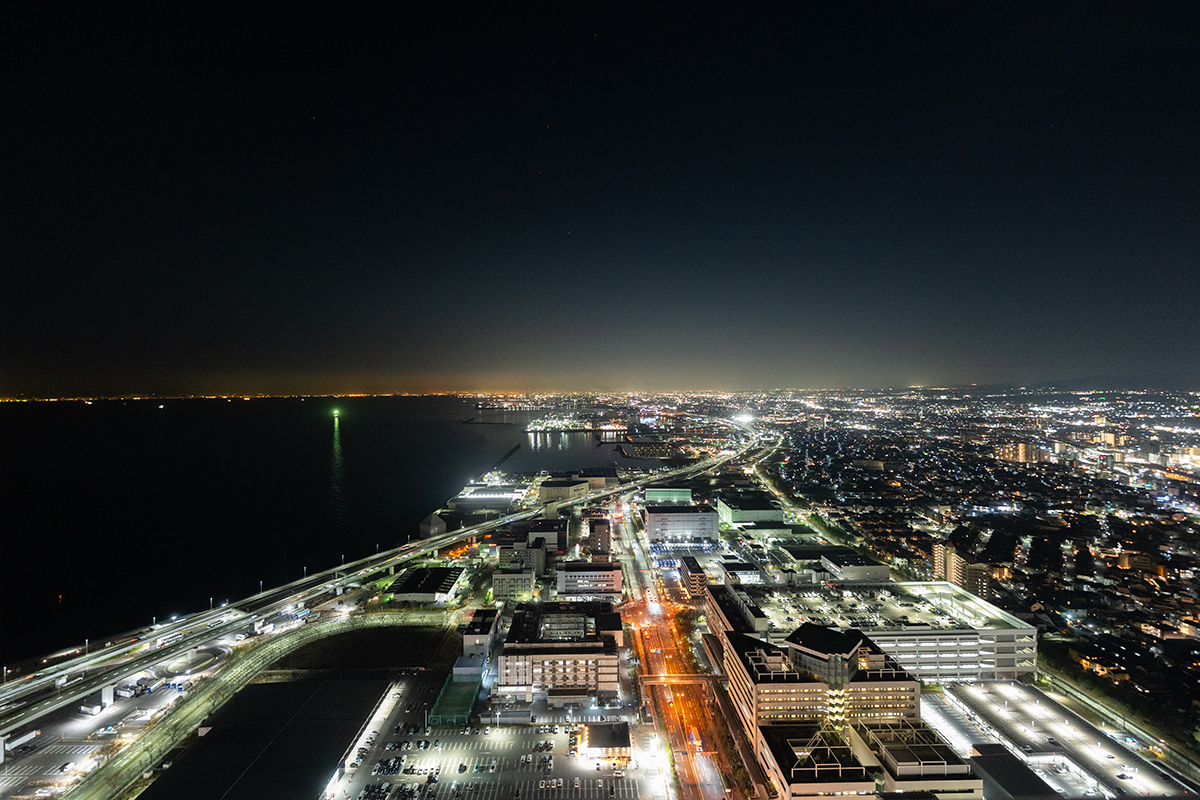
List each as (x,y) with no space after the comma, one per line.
(685,708)
(25,703)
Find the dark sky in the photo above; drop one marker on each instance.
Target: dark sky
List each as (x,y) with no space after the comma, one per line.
(441,195)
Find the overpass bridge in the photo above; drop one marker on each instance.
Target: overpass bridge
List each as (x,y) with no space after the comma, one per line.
(680,679)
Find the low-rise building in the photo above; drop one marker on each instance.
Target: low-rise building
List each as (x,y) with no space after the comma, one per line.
(513,585)
(560,490)
(748,507)
(853,568)
(429,585)
(668,495)
(740,572)
(830,713)
(692,576)
(599,536)
(978,642)
(480,634)
(731,611)
(589,580)
(565,652)
(819,760)
(680,524)
(607,742)
(912,758)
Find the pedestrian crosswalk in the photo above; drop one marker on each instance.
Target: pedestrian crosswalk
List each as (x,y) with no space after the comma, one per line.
(70,749)
(21,770)
(35,767)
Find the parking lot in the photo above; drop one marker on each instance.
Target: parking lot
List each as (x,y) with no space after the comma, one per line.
(404,758)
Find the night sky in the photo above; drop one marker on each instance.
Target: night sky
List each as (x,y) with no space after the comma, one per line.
(445,195)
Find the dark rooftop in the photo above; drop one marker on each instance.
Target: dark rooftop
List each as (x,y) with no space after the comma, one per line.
(581,622)
(681,510)
(608,735)
(271,740)
(1005,776)
(430,580)
(481,621)
(826,640)
(755,655)
(825,758)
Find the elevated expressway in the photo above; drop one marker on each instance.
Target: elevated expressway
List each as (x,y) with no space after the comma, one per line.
(25,702)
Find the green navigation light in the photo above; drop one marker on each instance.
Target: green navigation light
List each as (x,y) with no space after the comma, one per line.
(335,412)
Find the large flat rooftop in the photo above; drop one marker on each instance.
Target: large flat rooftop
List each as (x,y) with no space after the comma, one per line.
(272,740)
(918,606)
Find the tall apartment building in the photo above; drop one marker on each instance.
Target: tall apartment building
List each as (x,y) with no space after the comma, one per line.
(949,565)
(1020,452)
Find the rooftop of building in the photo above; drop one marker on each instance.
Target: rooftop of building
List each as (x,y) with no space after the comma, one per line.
(895,608)
(595,646)
(589,566)
(608,735)
(1005,775)
(563,483)
(749,503)
(537,623)
(691,509)
(764,662)
(732,606)
(692,565)
(826,642)
(813,754)
(596,472)
(481,621)
(812,552)
(557,524)
(430,580)
(851,559)
(738,566)
(512,571)
(907,745)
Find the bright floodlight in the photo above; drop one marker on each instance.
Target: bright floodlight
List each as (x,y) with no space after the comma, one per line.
(335,412)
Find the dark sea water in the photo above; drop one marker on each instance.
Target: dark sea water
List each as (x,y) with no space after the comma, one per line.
(116,513)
